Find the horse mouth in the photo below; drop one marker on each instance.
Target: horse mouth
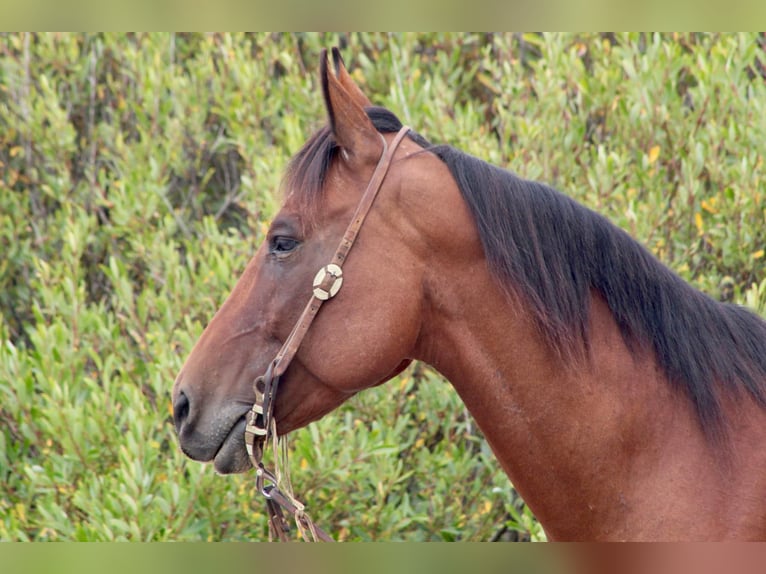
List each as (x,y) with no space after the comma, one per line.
(231,457)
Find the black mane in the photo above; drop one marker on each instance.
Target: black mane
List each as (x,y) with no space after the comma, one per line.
(551,252)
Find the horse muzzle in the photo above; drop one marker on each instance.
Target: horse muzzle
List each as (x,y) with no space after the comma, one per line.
(218,438)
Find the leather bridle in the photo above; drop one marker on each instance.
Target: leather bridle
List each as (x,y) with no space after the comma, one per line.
(260,424)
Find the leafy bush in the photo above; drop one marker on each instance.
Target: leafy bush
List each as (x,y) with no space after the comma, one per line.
(137,176)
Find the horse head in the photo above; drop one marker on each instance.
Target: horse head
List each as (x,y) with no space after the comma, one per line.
(368,332)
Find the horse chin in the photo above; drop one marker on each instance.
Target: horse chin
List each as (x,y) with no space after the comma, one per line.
(232,457)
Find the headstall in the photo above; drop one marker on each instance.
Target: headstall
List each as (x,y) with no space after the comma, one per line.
(260,424)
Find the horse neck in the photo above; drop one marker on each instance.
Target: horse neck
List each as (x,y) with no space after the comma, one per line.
(574,440)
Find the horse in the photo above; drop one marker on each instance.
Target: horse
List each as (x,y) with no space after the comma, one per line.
(622,403)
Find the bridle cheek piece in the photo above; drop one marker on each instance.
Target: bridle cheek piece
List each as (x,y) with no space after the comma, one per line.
(260,425)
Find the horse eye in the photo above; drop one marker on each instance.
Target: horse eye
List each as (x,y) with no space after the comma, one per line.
(281,245)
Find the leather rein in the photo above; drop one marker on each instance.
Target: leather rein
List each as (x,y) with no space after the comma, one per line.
(260,424)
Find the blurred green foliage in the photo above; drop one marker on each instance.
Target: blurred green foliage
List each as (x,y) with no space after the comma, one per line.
(138,173)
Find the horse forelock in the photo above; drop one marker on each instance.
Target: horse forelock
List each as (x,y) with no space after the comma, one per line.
(306,173)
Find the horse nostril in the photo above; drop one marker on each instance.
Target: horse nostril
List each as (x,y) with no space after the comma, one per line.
(180,411)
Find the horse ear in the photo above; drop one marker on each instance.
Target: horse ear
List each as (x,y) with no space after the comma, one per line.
(346,81)
(350,125)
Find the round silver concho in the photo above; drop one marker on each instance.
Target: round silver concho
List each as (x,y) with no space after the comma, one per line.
(327,281)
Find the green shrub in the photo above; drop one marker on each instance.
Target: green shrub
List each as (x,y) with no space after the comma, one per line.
(137,176)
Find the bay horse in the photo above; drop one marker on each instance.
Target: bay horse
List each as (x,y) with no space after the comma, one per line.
(622,403)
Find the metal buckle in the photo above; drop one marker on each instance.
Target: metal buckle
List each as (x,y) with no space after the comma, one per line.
(261,476)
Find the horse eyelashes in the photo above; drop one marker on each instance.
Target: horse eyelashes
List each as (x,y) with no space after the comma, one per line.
(282,245)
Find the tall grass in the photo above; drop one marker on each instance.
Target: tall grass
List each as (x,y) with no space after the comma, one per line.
(137,176)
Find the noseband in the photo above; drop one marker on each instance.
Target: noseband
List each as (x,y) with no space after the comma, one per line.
(260,424)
